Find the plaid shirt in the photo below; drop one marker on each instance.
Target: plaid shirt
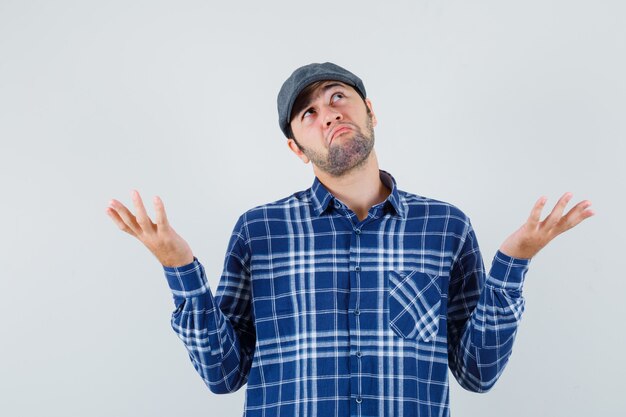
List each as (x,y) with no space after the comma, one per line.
(325,315)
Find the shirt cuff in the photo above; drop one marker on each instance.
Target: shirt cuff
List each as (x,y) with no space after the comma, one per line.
(507,272)
(187,280)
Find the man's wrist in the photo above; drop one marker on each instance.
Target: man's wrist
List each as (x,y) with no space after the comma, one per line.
(178,262)
(517,252)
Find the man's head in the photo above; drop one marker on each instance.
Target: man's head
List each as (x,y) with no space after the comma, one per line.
(306,75)
(323,102)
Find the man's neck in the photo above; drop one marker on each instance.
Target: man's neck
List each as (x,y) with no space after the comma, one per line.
(360,188)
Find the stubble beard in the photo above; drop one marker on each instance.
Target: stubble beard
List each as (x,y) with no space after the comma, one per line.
(346,156)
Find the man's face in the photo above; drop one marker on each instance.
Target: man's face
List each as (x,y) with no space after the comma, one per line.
(334,129)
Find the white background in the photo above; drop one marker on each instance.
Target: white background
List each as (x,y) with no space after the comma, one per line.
(484,104)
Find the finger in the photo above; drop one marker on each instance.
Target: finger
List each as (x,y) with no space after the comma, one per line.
(126,216)
(159,208)
(142,215)
(575,215)
(557,211)
(535,214)
(119,222)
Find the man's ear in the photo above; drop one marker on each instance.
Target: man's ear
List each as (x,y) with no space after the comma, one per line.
(368,103)
(296,149)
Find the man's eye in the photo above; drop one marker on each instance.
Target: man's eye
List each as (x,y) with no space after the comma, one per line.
(306,113)
(337,95)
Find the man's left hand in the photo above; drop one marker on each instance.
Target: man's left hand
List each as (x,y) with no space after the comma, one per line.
(529,239)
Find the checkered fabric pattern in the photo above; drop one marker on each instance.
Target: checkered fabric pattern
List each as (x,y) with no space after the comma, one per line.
(325,315)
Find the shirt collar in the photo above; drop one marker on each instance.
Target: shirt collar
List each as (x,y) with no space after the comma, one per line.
(322,198)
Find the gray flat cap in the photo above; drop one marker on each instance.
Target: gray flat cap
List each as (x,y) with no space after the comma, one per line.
(306,75)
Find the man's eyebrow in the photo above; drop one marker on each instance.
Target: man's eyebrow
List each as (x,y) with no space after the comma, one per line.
(331,85)
(323,89)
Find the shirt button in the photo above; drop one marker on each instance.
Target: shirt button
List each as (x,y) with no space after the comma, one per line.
(357,312)
(359,399)
(337,204)
(357,268)
(359,354)
(357,231)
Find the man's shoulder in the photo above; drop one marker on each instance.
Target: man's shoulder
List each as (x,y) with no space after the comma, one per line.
(419,206)
(278,207)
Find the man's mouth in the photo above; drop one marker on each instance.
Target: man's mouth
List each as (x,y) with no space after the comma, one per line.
(337,132)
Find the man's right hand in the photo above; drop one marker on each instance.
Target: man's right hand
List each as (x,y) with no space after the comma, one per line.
(169,248)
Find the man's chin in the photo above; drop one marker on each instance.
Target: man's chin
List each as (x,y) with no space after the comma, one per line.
(346,168)
(338,138)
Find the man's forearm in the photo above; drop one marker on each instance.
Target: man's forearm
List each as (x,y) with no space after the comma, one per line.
(485,343)
(213,344)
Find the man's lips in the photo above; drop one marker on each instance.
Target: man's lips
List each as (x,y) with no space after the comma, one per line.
(337,131)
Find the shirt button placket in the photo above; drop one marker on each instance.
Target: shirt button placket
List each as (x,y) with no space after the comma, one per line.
(357,312)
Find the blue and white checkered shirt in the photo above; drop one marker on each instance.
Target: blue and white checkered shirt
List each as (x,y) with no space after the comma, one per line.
(325,315)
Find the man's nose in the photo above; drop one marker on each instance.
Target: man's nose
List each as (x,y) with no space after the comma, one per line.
(331,116)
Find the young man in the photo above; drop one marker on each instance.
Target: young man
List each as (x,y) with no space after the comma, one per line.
(350,298)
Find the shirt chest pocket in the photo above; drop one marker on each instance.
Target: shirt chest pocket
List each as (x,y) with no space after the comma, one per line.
(414,303)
